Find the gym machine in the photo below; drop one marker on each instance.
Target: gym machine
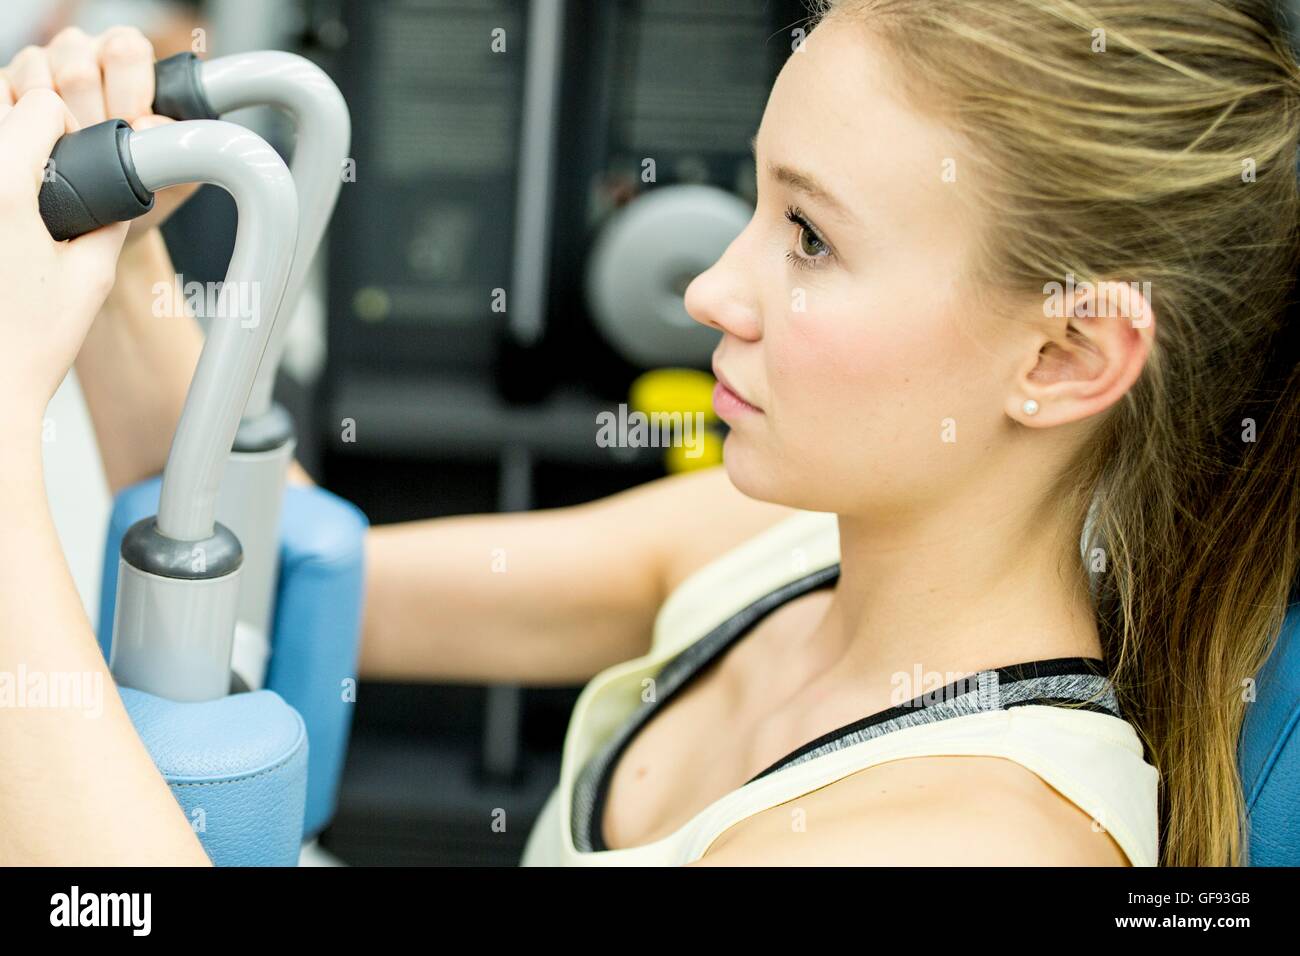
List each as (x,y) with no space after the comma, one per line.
(298,622)
(233,762)
(216,554)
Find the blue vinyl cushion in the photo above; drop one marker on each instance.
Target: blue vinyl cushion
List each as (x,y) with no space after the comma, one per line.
(316,632)
(1269,754)
(238,768)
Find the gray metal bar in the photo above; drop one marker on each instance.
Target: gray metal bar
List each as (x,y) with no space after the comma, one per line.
(243,164)
(505,701)
(294,84)
(536,170)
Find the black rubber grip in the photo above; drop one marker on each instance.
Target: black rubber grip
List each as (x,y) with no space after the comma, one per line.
(178,89)
(91,181)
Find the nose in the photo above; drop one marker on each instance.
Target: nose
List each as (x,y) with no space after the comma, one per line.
(722,296)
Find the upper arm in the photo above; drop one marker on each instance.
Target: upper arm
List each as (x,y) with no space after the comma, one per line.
(688,520)
(998,813)
(550,596)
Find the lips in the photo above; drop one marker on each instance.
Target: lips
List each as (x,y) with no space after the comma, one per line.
(717,373)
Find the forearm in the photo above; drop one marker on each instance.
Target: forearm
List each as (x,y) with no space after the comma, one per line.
(135,366)
(77,786)
(541,598)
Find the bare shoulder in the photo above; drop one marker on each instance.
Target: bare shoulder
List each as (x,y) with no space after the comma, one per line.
(923,811)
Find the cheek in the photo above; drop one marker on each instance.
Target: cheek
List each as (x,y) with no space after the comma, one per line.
(855,373)
(815,358)
(859,400)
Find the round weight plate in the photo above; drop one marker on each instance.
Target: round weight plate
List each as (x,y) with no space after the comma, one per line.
(642,262)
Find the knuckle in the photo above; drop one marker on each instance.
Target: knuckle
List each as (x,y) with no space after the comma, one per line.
(126,43)
(70,35)
(44,98)
(47,103)
(76,75)
(26,55)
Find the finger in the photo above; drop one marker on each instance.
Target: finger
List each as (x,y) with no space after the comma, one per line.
(149,121)
(93,257)
(29,70)
(75,69)
(126,59)
(28,134)
(6,95)
(92,260)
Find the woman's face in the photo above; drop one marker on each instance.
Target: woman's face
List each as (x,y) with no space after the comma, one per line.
(855,338)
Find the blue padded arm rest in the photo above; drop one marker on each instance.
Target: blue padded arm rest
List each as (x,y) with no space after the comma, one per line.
(316,634)
(238,768)
(1269,754)
(317,631)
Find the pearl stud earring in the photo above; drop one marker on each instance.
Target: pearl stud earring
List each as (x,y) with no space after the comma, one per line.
(1030,407)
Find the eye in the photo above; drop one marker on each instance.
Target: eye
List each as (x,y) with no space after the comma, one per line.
(812,247)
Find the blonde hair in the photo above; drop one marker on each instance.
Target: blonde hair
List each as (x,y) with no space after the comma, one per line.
(1151,140)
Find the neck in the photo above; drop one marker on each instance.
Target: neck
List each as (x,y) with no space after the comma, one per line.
(978,584)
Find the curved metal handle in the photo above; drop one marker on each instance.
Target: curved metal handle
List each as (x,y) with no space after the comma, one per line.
(187,86)
(242,163)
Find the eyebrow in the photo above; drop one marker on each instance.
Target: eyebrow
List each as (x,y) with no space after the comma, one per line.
(805,183)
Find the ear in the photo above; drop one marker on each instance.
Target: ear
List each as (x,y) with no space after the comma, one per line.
(1094,345)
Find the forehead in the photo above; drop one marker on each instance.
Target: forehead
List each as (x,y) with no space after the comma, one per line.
(837,112)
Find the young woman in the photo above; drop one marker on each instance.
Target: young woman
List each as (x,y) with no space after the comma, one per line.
(1008,513)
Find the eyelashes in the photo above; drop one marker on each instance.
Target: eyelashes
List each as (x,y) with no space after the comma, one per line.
(810,259)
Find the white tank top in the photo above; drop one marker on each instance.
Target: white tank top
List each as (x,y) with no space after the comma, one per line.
(1091,756)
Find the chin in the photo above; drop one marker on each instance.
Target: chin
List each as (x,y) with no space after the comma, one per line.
(756,474)
(744,468)
(766,476)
